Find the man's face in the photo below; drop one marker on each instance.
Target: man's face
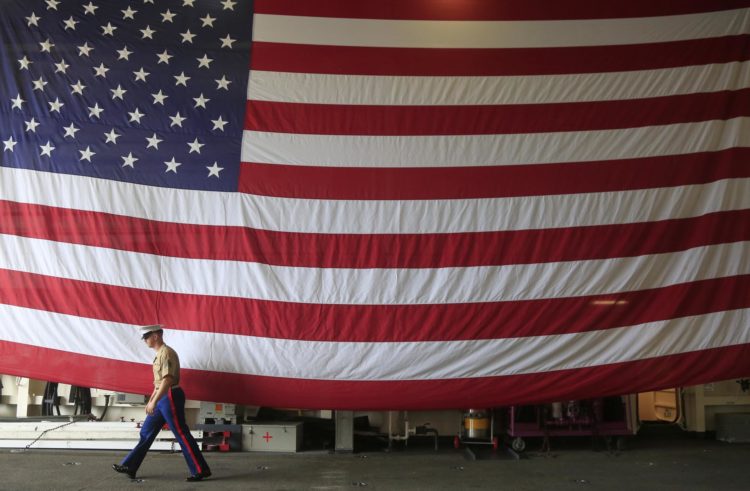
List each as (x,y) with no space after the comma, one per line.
(150,339)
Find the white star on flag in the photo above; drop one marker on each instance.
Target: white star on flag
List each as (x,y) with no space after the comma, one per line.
(172,165)
(61,67)
(90,8)
(208,21)
(219,124)
(148,33)
(128,13)
(46,46)
(39,84)
(118,93)
(129,160)
(85,49)
(33,20)
(31,125)
(70,23)
(223,83)
(9,144)
(17,102)
(227,42)
(70,131)
(141,75)
(159,97)
(187,37)
(56,105)
(177,120)
(214,170)
(108,30)
(181,79)
(167,16)
(135,116)
(95,111)
(200,101)
(112,136)
(195,146)
(204,62)
(86,154)
(153,142)
(101,70)
(164,57)
(46,149)
(124,53)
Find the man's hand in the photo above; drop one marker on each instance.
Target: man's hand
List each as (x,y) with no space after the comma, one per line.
(159,392)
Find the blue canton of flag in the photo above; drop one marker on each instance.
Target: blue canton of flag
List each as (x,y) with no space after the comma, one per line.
(150,92)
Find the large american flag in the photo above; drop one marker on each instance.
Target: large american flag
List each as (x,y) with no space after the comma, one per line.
(377,204)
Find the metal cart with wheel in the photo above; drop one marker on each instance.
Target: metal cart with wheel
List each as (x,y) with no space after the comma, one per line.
(606,417)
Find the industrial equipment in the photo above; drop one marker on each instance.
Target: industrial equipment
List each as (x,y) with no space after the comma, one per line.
(607,417)
(410,431)
(217,413)
(477,428)
(131,399)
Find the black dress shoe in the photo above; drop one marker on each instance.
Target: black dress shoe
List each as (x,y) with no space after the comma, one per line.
(198,477)
(124,469)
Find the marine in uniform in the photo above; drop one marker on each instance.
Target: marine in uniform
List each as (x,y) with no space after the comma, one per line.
(166,405)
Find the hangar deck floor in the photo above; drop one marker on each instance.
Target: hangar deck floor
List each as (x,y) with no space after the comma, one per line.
(664,462)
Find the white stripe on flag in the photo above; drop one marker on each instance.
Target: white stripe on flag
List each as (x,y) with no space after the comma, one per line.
(497,34)
(433,360)
(487,150)
(313,88)
(371,216)
(355,286)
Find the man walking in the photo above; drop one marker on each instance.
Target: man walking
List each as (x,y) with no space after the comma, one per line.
(166,405)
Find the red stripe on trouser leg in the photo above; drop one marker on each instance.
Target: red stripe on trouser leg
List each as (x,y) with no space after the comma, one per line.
(185,443)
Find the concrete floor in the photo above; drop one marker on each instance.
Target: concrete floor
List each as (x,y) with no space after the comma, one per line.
(664,462)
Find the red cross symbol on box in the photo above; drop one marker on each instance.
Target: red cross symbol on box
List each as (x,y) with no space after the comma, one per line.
(267,437)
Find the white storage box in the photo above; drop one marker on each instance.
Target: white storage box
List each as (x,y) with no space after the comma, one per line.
(272,437)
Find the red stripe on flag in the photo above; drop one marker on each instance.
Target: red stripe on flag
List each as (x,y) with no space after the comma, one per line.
(582,383)
(363,250)
(340,119)
(356,60)
(416,183)
(490,10)
(372,323)
(87,371)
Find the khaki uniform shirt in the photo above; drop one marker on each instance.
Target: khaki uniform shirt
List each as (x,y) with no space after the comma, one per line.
(166,362)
